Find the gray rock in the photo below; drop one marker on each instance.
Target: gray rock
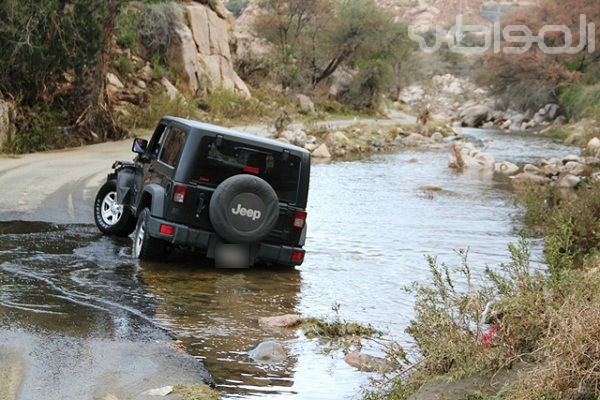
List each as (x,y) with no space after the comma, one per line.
(593,146)
(281,321)
(321,152)
(305,103)
(437,137)
(414,139)
(552,111)
(525,178)
(475,116)
(268,351)
(506,168)
(368,363)
(568,181)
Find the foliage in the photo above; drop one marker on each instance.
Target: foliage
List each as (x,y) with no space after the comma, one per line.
(313,39)
(38,127)
(533,78)
(156,27)
(581,101)
(226,104)
(571,224)
(127,32)
(42,39)
(198,392)
(548,319)
(237,7)
(316,328)
(125,65)
(161,104)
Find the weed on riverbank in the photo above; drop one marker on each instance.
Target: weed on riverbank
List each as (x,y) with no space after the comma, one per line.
(198,392)
(547,320)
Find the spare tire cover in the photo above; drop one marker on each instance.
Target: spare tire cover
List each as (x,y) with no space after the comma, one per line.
(244,209)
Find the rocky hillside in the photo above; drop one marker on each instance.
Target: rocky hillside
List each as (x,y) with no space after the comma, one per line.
(199,58)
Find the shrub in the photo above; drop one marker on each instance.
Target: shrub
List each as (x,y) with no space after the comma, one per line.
(581,101)
(36,127)
(157,25)
(125,65)
(161,104)
(224,104)
(127,33)
(571,224)
(237,7)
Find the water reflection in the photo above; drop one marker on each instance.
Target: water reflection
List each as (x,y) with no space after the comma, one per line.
(215,313)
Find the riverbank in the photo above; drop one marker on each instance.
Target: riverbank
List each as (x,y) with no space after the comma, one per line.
(526,330)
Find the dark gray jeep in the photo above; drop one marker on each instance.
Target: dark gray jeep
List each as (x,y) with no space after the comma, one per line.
(237,197)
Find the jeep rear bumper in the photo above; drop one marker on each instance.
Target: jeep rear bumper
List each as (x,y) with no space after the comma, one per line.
(183,235)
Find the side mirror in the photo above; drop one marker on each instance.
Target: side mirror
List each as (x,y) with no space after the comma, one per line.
(139,145)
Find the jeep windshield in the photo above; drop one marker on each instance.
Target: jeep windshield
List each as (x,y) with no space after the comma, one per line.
(219,162)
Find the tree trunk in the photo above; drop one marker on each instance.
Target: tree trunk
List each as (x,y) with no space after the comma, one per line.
(98,118)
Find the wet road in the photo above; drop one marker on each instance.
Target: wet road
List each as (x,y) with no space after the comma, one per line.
(73,292)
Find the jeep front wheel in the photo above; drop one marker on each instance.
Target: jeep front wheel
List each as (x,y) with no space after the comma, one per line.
(145,247)
(111,217)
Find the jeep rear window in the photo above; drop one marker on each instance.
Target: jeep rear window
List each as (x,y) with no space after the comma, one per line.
(217,163)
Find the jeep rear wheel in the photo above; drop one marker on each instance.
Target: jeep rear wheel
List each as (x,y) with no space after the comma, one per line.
(244,209)
(146,247)
(111,217)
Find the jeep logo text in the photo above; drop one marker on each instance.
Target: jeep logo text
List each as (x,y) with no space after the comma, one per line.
(246,212)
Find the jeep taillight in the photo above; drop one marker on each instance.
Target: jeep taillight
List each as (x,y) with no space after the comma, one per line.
(179,192)
(299,219)
(297,256)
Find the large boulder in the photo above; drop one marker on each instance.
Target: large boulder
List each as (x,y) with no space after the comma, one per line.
(201,50)
(305,104)
(593,146)
(474,116)
(321,152)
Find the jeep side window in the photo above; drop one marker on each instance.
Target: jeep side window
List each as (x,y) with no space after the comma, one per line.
(173,147)
(158,140)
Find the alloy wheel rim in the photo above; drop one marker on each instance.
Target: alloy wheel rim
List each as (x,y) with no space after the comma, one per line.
(110,210)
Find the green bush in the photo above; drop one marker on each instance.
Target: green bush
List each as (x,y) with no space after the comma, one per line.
(36,129)
(127,33)
(581,101)
(237,7)
(571,223)
(125,65)
(162,104)
(225,104)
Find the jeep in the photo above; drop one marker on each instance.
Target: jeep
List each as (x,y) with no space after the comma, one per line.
(238,198)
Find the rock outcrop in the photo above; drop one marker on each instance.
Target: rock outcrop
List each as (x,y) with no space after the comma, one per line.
(201,52)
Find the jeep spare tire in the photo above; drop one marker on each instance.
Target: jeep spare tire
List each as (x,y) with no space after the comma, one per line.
(244,209)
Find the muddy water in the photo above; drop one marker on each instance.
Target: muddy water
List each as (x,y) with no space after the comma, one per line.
(371,223)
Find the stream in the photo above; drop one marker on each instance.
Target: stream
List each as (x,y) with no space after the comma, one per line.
(371,223)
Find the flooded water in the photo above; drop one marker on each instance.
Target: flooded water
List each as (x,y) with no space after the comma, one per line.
(371,223)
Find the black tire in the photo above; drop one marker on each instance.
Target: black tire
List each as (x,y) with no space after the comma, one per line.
(244,209)
(112,218)
(146,247)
